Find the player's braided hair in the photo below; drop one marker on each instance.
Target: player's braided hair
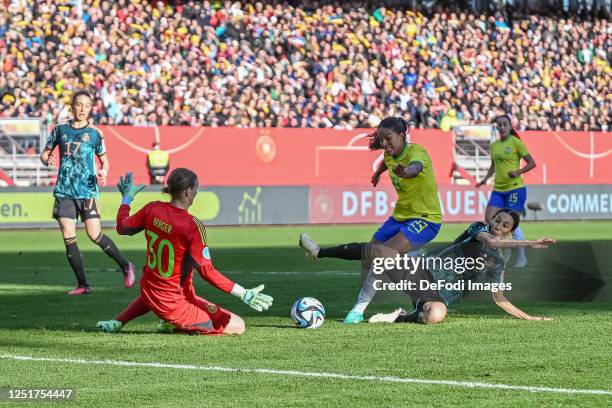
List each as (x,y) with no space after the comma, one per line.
(394,123)
(515,217)
(180,179)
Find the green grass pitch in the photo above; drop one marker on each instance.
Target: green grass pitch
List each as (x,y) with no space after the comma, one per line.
(476,343)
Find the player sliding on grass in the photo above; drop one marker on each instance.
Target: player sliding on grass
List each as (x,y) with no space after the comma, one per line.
(509,190)
(176,243)
(416,217)
(479,240)
(76,191)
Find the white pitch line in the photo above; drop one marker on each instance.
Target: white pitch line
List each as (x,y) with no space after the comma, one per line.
(325,272)
(297,272)
(332,376)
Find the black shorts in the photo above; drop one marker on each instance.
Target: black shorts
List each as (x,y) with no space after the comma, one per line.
(73,208)
(417,295)
(420,297)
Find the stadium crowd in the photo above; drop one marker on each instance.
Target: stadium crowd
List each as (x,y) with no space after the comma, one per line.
(316,65)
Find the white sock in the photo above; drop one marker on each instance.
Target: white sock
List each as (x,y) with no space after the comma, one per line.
(367,292)
(518,235)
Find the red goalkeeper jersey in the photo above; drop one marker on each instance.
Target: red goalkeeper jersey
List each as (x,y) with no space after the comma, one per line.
(176,243)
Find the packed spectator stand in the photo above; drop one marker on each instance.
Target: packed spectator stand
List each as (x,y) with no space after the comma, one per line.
(319,64)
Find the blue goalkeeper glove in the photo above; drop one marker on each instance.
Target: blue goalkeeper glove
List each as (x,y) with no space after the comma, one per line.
(128,189)
(257,300)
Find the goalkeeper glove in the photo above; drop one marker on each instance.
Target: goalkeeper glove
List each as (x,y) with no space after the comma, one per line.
(253,297)
(127,188)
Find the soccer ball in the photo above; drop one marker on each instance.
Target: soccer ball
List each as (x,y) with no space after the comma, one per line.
(308,313)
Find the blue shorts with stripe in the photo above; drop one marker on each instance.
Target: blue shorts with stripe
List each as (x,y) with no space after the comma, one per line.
(418,231)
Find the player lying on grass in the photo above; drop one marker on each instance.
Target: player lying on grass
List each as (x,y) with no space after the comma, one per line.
(176,243)
(416,217)
(76,191)
(479,240)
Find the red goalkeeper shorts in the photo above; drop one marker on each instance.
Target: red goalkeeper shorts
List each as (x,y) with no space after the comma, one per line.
(202,317)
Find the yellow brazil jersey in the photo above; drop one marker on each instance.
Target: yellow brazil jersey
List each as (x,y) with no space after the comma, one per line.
(416,197)
(506,155)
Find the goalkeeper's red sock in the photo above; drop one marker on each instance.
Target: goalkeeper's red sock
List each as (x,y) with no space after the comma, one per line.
(137,308)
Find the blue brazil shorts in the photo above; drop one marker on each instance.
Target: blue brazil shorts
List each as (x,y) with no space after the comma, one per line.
(512,200)
(418,231)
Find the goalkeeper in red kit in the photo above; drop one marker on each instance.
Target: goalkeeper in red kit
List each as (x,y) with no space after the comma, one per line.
(176,244)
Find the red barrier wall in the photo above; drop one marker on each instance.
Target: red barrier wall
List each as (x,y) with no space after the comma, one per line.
(278,156)
(570,157)
(275,156)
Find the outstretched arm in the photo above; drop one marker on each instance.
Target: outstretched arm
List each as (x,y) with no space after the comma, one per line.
(200,254)
(504,304)
(251,297)
(209,273)
(412,170)
(501,243)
